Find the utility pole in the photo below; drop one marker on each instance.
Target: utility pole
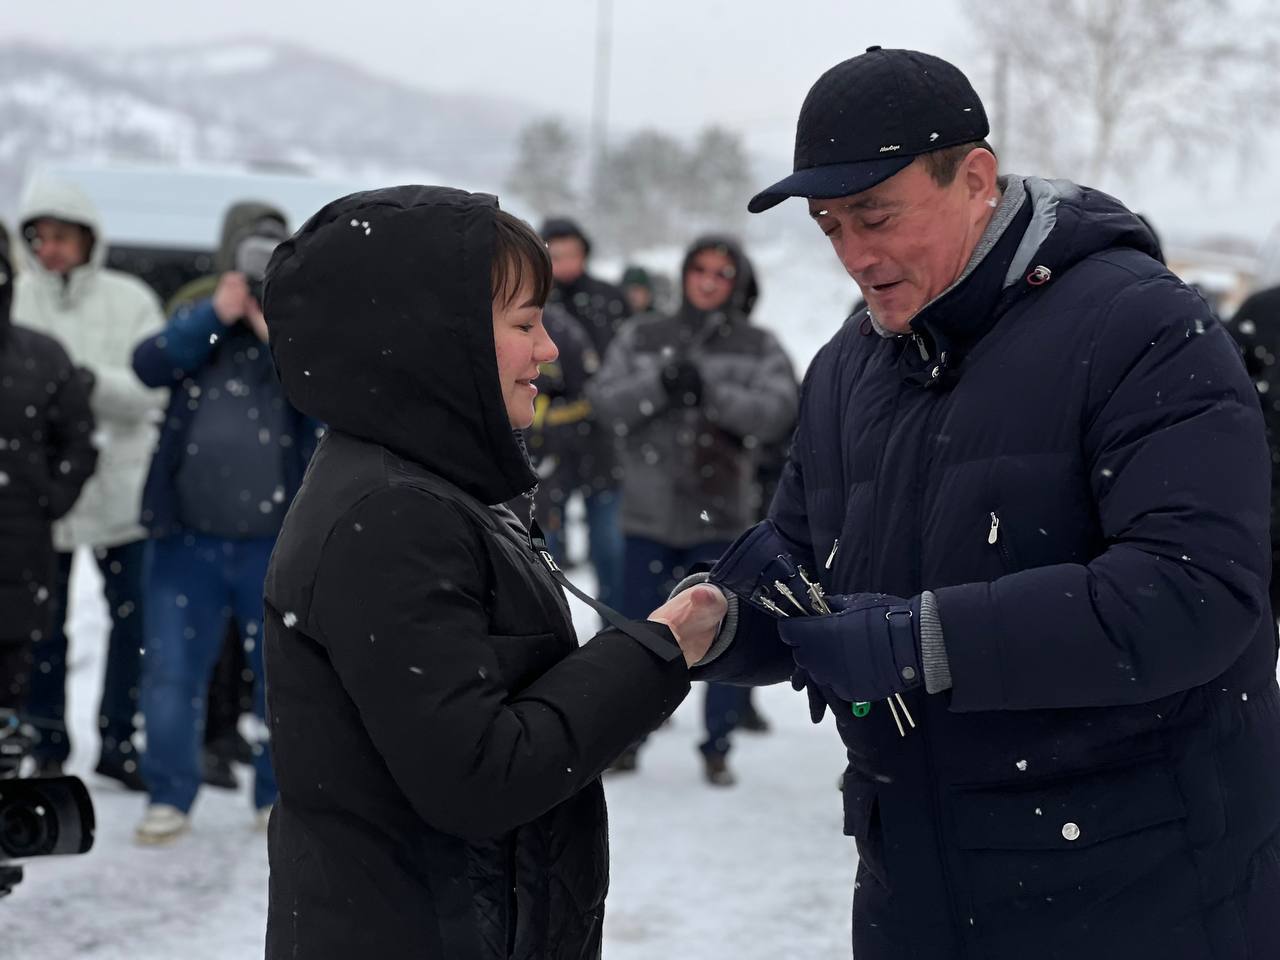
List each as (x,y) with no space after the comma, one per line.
(600,93)
(1001,129)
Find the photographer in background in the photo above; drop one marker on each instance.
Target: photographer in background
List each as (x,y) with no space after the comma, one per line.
(230,693)
(231,456)
(46,457)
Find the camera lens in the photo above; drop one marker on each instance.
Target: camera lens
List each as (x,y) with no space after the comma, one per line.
(26,830)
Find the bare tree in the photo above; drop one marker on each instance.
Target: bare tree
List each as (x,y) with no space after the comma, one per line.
(718,178)
(634,190)
(652,189)
(543,171)
(1086,88)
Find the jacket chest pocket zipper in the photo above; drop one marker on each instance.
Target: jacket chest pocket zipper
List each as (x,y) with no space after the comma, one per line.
(1000,543)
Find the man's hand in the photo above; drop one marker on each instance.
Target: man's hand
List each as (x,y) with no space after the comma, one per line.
(869,649)
(257,322)
(231,298)
(694,616)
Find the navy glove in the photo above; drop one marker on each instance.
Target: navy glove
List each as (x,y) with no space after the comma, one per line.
(683,384)
(868,650)
(754,566)
(817,702)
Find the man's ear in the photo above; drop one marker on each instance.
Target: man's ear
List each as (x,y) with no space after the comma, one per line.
(979,170)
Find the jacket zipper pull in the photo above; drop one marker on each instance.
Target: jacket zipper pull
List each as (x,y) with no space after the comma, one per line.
(994,534)
(832,557)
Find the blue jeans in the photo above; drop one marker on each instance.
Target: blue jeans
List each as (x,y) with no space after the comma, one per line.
(652,571)
(122,574)
(194,583)
(604,544)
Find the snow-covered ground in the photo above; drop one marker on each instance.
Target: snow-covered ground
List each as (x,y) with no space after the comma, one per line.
(757,871)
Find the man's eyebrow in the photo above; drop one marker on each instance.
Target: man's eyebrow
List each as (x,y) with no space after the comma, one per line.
(856,204)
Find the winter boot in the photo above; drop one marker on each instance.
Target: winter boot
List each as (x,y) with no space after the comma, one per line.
(753,721)
(161,824)
(48,768)
(627,762)
(717,772)
(123,770)
(216,771)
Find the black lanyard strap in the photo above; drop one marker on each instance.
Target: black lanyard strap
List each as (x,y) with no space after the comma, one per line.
(642,631)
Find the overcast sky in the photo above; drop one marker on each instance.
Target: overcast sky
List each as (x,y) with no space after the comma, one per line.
(677,64)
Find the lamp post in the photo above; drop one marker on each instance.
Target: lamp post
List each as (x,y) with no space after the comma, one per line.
(600,93)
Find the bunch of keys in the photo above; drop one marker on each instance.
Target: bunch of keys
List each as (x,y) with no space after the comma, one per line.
(759,568)
(818,605)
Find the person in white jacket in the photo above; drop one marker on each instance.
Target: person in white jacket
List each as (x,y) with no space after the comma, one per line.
(99,315)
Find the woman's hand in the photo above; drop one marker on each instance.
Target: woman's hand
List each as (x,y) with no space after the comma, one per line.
(694,617)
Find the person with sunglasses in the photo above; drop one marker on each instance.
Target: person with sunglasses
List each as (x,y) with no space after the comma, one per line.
(694,397)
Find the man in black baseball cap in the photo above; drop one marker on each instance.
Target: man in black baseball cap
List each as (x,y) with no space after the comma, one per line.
(894,137)
(1031,477)
(870,117)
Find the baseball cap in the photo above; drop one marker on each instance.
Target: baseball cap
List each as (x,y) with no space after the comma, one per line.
(867,118)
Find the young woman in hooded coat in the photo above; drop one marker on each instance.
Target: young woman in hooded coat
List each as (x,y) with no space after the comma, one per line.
(436,729)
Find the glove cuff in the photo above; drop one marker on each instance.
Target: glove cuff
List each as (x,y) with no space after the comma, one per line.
(728,626)
(933,650)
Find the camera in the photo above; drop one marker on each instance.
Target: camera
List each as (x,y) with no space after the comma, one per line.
(251,259)
(40,817)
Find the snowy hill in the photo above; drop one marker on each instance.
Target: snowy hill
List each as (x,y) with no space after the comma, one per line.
(259,103)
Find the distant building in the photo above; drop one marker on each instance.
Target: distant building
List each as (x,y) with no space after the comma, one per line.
(162,223)
(1225,277)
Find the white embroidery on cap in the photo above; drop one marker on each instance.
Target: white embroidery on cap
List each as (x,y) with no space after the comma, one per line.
(892,147)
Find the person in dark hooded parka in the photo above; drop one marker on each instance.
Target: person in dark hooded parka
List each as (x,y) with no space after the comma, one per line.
(437,731)
(45,459)
(231,689)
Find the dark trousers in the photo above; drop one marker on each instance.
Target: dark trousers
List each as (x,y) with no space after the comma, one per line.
(194,584)
(651,571)
(230,694)
(122,569)
(15,674)
(604,543)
